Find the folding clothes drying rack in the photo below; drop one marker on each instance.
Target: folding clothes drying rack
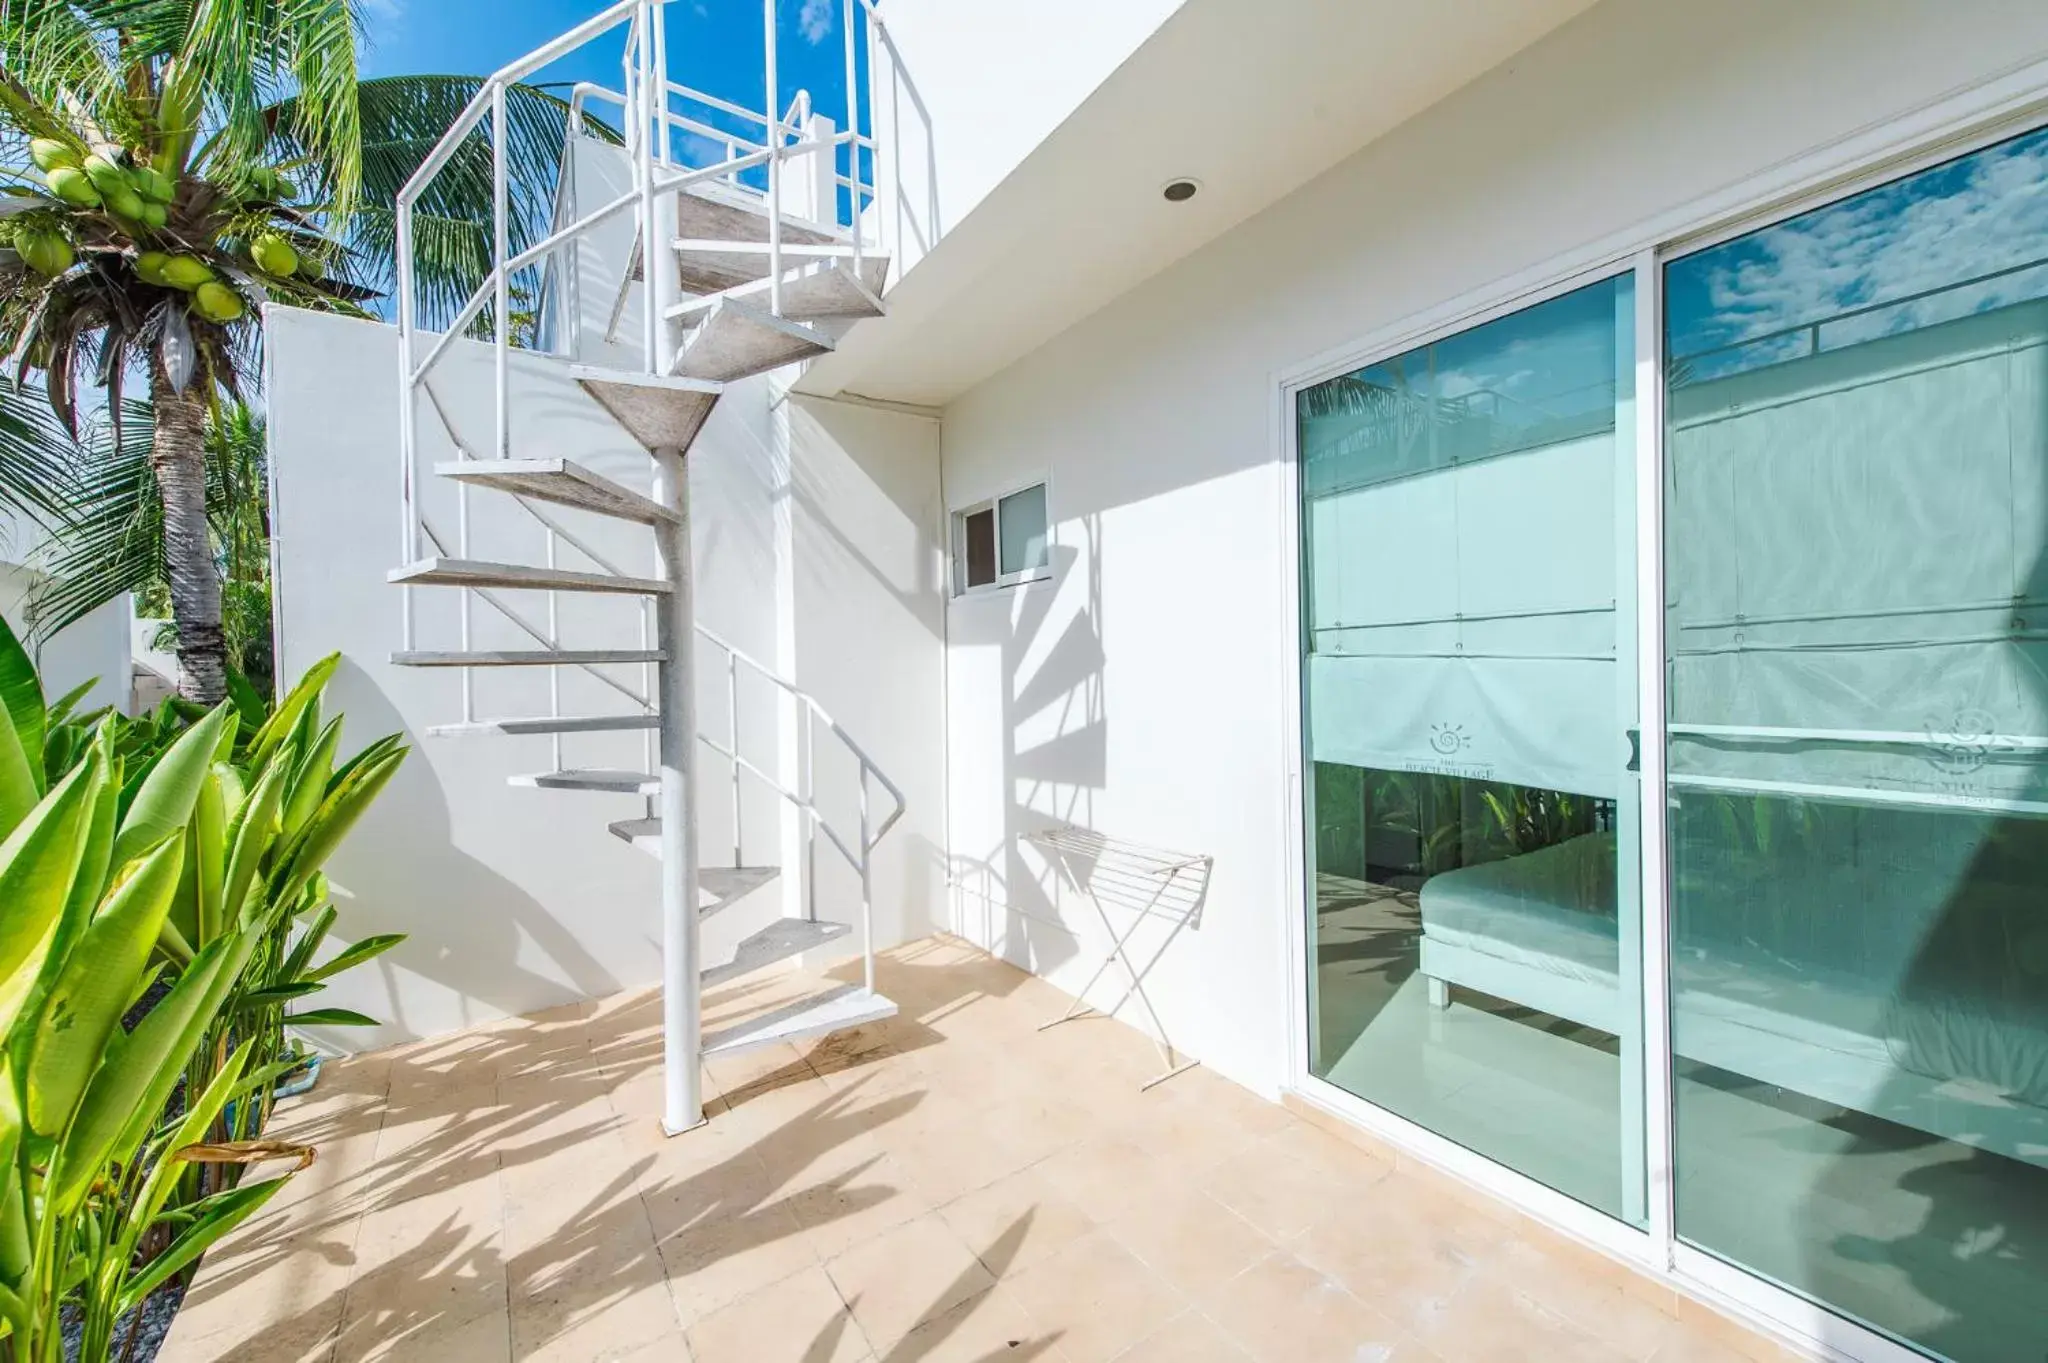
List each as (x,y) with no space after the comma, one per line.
(1147,883)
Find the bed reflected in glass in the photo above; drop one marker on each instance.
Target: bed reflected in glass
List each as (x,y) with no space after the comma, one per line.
(1470,692)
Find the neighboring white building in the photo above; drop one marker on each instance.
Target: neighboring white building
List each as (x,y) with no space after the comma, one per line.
(95,649)
(1558,519)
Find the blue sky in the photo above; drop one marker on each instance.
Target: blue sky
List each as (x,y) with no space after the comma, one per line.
(714,45)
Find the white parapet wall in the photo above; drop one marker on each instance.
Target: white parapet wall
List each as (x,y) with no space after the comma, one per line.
(517,899)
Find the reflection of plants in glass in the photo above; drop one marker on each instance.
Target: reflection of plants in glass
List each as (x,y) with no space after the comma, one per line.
(1529,819)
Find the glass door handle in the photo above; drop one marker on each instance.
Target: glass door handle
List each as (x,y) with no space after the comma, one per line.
(1635,749)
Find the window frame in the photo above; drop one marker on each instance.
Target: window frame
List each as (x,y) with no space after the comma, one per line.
(956,537)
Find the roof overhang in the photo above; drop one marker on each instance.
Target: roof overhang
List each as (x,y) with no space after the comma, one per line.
(1253,100)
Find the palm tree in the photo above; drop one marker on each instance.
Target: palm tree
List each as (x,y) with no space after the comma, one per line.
(147,149)
(113,540)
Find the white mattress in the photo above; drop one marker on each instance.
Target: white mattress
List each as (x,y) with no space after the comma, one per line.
(1537,912)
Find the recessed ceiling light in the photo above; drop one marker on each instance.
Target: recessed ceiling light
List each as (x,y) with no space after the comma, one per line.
(1181,190)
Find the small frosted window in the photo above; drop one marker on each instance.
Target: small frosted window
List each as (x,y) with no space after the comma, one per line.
(1023,530)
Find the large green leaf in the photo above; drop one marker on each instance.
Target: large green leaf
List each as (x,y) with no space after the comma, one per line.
(330,1017)
(346,800)
(37,863)
(254,832)
(286,717)
(362,951)
(212,1218)
(135,1079)
(22,693)
(20,780)
(94,986)
(207,835)
(164,801)
(309,781)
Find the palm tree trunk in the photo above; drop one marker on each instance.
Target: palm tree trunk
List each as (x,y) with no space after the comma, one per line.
(179,459)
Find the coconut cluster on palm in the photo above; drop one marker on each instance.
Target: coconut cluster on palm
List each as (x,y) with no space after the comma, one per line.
(148,264)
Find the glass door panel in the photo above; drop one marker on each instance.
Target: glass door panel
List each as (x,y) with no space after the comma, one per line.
(1857,593)
(1469,639)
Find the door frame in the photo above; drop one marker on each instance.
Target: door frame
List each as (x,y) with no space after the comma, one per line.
(1997,108)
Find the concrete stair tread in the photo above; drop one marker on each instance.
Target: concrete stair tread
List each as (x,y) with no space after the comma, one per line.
(463,572)
(608,779)
(661,411)
(526,657)
(734,340)
(778,941)
(706,215)
(561,481)
(815,289)
(549,724)
(821,1014)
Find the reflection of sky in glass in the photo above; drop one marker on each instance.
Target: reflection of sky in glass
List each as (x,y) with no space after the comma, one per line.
(1543,374)
(1964,237)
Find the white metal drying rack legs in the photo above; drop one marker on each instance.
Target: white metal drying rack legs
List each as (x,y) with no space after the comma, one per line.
(1159,886)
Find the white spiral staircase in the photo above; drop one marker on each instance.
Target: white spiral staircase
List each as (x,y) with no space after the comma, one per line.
(734,285)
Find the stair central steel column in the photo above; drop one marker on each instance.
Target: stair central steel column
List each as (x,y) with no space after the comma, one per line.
(681,962)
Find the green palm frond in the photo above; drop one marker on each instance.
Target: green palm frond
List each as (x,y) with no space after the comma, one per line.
(37,457)
(403,118)
(114,539)
(114,542)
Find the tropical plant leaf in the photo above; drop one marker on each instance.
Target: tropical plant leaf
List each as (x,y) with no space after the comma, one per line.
(362,951)
(276,995)
(22,693)
(330,1017)
(37,863)
(94,986)
(212,1218)
(166,796)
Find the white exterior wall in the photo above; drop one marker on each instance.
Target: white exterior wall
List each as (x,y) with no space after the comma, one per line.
(1144,690)
(517,899)
(94,649)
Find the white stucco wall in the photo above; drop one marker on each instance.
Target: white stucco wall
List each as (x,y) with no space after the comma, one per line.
(868,632)
(94,649)
(1142,690)
(517,899)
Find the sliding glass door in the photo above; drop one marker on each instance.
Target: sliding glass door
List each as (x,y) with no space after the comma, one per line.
(1470,699)
(1856,571)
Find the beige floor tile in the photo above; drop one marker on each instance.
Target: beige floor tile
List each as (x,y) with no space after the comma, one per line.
(1283,1311)
(897,1281)
(985,1328)
(595,1321)
(798,1320)
(1096,1298)
(485,1338)
(1582,1294)
(1190,1239)
(1188,1338)
(840,1207)
(1397,1267)
(1277,1193)
(711,1266)
(1016,1221)
(1488,1322)
(1109,1176)
(511,1189)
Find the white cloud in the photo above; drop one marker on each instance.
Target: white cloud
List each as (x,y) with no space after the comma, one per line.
(1923,235)
(814,20)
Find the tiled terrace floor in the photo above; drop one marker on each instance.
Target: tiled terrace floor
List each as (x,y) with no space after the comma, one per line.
(953,1186)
